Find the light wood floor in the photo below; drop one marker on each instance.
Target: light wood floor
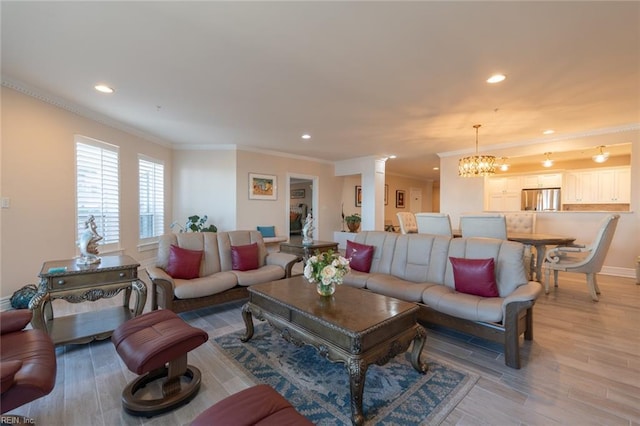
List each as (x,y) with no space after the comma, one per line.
(582,368)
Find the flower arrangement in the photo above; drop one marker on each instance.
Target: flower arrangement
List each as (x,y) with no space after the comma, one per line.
(326,269)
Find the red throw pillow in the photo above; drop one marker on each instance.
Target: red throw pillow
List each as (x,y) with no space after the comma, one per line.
(360,256)
(183,263)
(475,276)
(244,258)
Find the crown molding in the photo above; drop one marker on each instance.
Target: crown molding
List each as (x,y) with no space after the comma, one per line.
(548,139)
(74,108)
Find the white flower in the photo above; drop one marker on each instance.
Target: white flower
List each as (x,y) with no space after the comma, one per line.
(326,267)
(308,272)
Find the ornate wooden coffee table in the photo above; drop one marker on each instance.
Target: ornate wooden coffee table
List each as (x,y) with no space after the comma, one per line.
(354,326)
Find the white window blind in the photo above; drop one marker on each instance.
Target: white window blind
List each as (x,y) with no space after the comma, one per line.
(151,177)
(97,188)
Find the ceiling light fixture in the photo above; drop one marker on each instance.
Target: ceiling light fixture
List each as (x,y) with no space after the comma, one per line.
(392,156)
(601,157)
(496,78)
(548,132)
(103,88)
(548,162)
(504,166)
(476,165)
(306,136)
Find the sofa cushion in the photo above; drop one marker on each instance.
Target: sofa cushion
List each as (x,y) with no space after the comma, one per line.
(475,276)
(204,286)
(244,258)
(467,306)
(263,274)
(267,231)
(359,255)
(391,286)
(184,263)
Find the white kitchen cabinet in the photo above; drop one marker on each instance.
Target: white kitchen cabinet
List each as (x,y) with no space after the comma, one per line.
(504,193)
(580,187)
(614,185)
(549,180)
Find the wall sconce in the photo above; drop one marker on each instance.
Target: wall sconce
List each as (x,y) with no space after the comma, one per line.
(548,162)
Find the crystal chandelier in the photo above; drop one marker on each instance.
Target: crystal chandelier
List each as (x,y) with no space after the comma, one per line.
(477,165)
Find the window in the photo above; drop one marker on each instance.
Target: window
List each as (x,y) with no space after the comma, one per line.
(151,177)
(97,188)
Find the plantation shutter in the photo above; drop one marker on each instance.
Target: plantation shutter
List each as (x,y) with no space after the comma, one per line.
(151,186)
(97,188)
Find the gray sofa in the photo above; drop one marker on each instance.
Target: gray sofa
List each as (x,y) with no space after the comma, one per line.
(217,281)
(416,268)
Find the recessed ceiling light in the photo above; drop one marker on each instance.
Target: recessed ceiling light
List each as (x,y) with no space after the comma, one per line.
(103,88)
(548,132)
(393,156)
(436,168)
(306,136)
(496,78)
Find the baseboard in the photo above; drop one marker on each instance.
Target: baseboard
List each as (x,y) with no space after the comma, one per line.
(618,272)
(5,303)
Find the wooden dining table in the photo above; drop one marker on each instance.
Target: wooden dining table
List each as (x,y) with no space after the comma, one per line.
(539,241)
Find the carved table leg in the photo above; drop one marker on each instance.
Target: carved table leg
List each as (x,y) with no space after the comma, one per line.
(418,345)
(357,373)
(248,322)
(140,290)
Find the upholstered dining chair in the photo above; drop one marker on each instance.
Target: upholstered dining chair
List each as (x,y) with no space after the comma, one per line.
(27,361)
(484,225)
(408,223)
(587,259)
(434,223)
(525,223)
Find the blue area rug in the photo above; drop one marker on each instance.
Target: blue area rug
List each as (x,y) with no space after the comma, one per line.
(394,393)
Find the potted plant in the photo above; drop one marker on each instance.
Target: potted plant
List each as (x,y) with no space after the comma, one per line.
(353,222)
(196,223)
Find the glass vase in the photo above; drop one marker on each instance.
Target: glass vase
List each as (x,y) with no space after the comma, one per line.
(325,290)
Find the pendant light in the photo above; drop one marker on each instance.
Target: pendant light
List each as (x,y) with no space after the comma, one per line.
(477,165)
(601,157)
(548,162)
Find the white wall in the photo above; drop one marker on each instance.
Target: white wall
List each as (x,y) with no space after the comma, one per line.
(460,195)
(204,184)
(251,213)
(38,175)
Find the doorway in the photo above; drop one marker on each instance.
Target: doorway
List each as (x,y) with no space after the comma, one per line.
(302,200)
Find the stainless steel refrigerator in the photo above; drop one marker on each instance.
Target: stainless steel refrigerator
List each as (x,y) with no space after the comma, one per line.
(541,199)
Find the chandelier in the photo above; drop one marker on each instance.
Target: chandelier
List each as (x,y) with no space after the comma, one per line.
(477,165)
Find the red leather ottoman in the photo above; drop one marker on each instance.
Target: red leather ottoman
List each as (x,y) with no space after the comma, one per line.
(259,405)
(156,344)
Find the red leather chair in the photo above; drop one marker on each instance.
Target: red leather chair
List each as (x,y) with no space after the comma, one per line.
(27,361)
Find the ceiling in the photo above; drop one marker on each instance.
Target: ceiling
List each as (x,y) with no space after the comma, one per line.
(362,78)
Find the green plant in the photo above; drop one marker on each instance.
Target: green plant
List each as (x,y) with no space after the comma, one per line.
(354,218)
(196,223)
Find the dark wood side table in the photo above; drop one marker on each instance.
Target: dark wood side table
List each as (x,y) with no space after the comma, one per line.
(304,251)
(65,279)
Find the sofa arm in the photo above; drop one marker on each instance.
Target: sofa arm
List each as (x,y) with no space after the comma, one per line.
(8,370)
(11,321)
(284,260)
(525,293)
(162,288)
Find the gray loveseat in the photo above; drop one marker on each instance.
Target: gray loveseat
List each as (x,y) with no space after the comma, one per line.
(416,268)
(217,282)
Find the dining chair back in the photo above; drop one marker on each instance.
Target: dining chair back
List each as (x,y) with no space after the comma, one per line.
(434,223)
(586,259)
(484,225)
(524,223)
(408,223)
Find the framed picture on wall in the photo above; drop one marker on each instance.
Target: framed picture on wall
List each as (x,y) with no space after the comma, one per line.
(263,187)
(358,196)
(297,193)
(386,194)
(400,199)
